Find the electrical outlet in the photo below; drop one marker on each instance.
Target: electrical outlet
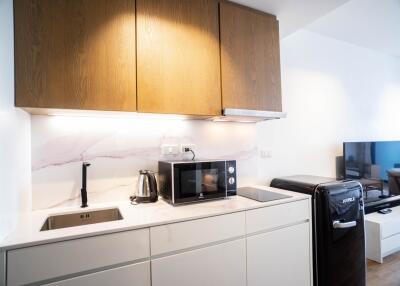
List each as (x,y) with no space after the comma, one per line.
(184,146)
(265,153)
(171,149)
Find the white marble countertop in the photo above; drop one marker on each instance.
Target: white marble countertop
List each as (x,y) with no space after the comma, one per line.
(27,231)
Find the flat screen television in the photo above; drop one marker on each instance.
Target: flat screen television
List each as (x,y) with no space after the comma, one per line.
(376,165)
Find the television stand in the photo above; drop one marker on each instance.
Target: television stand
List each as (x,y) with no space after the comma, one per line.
(384,196)
(382,234)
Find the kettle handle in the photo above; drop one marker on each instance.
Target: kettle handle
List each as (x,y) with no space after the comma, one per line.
(152,186)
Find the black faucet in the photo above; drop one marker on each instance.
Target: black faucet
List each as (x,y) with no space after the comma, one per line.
(83,190)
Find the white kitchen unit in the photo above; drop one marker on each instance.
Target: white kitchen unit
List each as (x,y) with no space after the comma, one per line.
(72,257)
(280,257)
(195,233)
(382,234)
(3,269)
(278,245)
(263,219)
(222,264)
(131,275)
(231,242)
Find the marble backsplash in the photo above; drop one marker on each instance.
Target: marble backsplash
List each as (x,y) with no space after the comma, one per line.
(118,148)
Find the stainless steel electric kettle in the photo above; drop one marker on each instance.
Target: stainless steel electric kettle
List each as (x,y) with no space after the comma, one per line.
(146,189)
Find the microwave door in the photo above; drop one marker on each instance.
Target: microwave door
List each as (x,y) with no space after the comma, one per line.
(199,181)
(210,181)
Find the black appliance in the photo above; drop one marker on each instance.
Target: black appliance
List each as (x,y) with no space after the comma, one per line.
(339,160)
(338,228)
(373,165)
(192,181)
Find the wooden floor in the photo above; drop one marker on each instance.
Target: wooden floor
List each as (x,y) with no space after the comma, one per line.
(385,274)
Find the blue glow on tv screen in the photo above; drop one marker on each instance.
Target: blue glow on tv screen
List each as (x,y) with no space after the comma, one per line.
(371,160)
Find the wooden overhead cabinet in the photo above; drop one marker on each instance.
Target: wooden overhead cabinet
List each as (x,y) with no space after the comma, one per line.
(178,57)
(75,54)
(250,65)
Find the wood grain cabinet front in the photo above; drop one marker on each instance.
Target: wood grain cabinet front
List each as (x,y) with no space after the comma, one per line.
(75,54)
(250,64)
(194,57)
(178,61)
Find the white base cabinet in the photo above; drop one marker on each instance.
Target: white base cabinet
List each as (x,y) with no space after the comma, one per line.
(51,261)
(267,246)
(218,265)
(280,257)
(130,275)
(382,234)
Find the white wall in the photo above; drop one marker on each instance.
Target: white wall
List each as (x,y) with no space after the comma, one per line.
(14,133)
(333,92)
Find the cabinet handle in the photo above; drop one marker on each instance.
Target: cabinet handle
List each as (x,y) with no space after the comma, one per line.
(338,224)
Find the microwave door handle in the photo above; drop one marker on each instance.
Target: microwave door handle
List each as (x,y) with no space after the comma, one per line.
(338,224)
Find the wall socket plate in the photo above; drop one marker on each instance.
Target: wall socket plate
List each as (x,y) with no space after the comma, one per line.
(266,153)
(170,149)
(184,146)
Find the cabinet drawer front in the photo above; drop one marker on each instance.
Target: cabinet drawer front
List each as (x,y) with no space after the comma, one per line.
(176,236)
(218,265)
(38,263)
(277,216)
(390,244)
(390,227)
(139,274)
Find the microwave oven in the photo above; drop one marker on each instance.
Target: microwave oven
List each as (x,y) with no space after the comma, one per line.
(191,181)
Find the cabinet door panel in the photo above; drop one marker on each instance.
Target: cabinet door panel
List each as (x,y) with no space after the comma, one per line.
(223,264)
(74,256)
(75,54)
(130,275)
(250,65)
(280,257)
(178,57)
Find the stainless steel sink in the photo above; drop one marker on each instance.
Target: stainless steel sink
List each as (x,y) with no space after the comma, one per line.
(81,218)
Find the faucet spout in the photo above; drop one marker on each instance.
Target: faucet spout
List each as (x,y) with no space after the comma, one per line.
(84,183)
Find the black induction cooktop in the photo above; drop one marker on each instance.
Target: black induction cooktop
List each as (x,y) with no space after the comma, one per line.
(260,195)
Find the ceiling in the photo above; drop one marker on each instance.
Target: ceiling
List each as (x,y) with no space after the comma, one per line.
(294,14)
(374,24)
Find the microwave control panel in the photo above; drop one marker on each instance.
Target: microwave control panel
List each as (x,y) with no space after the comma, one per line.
(231,177)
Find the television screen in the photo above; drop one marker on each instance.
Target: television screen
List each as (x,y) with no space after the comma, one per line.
(376,165)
